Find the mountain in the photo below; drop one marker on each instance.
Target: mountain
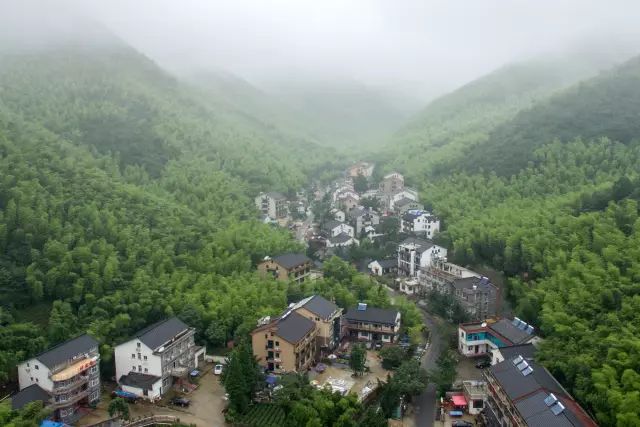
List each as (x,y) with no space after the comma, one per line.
(441,134)
(341,113)
(605,106)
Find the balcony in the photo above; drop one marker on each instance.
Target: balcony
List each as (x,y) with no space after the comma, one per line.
(61,387)
(69,400)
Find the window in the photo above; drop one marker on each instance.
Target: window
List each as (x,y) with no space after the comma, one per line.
(27,364)
(145,357)
(133,355)
(31,378)
(146,370)
(36,366)
(277,355)
(139,368)
(139,356)
(277,343)
(37,380)
(134,368)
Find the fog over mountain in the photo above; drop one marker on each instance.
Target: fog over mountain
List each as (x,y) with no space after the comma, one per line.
(422,48)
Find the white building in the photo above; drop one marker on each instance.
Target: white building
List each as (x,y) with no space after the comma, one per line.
(362,217)
(65,378)
(339,215)
(341,240)
(401,195)
(334,228)
(421,223)
(156,358)
(415,253)
(482,338)
(409,286)
(272,204)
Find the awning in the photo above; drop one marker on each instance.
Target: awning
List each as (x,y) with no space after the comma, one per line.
(75,369)
(459,400)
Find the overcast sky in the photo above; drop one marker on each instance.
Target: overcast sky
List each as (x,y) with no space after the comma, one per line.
(382,42)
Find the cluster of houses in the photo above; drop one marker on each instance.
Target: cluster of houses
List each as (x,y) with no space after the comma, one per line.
(311,329)
(66,378)
(276,208)
(515,389)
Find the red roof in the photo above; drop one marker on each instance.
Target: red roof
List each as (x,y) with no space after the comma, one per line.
(459,400)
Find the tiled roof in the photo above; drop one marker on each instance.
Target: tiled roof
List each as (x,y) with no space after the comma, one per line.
(505,328)
(155,335)
(318,305)
(340,238)
(292,327)
(138,380)
(64,351)
(423,244)
(291,260)
(372,315)
(27,395)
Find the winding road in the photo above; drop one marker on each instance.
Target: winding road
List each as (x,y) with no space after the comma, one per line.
(425,404)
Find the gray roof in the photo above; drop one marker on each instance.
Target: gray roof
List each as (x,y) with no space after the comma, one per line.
(385,316)
(528,394)
(387,263)
(65,351)
(155,335)
(505,328)
(276,195)
(138,380)
(330,225)
(291,260)
(527,351)
(293,327)
(320,306)
(340,238)
(405,201)
(27,395)
(422,243)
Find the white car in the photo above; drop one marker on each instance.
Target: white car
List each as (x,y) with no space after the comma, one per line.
(217,370)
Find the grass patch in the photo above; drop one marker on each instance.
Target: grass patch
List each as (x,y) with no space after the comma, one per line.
(262,415)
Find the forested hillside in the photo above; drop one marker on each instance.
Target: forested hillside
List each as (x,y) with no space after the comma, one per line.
(608,105)
(551,197)
(442,134)
(126,197)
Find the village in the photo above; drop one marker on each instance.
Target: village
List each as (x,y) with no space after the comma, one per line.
(172,379)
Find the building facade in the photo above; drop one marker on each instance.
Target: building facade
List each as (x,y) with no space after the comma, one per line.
(361,168)
(285,344)
(481,338)
(156,358)
(391,183)
(404,205)
(362,217)
(414,254)
(373,324)
(420,223)
(334,228)
(286,267)
(521,393)
(65,378)
(327,317)
(272,204)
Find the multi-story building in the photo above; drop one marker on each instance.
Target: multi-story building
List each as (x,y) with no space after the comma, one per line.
(406,204)
(361,168)
(391,183)
(285,344)
(522,393)
(415,254)
(362,217)
(401,194)
(327,317)
(287,267)
(477,295)
(439,274)
(156,358)
(334,228)
(272,204)
(481,338)
(372,324)
(420,223)
(65,378)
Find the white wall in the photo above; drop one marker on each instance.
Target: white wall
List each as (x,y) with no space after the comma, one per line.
(152,395)
(343,228)
(125,363)
(29,375)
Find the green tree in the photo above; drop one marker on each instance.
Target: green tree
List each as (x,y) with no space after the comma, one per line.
(360,183)
(119,408)
(358,358)
(392,356)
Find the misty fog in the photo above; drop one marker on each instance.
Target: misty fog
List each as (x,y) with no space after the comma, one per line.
(413,47)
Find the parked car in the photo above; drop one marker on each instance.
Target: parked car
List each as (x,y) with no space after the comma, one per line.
(483,363)
(180,401)
(461,423)
(378,345)
(217,370)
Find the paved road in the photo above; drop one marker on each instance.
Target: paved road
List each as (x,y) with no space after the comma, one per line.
(301,232)
(425,404)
